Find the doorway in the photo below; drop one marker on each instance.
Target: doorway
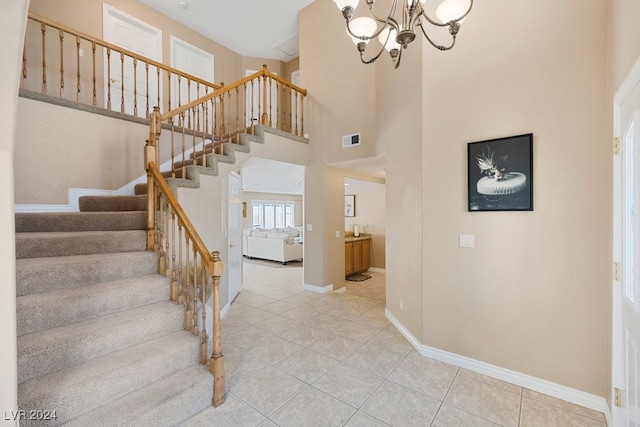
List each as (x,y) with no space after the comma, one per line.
(626,253)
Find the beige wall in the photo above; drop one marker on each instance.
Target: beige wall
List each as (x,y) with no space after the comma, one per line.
(13,22)
(530,296)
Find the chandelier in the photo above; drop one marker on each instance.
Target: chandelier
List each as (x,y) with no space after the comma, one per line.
(395,34)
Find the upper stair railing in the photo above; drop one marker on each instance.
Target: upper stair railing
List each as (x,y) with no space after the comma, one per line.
(65,63)
(203,126)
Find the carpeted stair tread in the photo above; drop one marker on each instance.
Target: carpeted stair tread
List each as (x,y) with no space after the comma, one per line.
(61,243)
(82,388)
(112,203)
(34,275)
(40,311)
(81,221)
(167,402)
(44,352)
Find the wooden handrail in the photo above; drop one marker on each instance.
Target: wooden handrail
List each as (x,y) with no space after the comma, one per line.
(224,89)
(118,49)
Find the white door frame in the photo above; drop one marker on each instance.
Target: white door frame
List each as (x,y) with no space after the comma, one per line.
(234,209)
(617,348)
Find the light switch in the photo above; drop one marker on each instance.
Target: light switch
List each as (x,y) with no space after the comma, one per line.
(337,233)
(467,241)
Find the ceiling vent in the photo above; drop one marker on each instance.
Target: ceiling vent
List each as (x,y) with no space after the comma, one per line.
(351,140)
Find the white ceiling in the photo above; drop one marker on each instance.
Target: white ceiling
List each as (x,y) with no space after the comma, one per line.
(270,176)
(257,28)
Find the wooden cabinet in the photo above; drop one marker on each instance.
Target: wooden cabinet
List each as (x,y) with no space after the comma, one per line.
(357,256)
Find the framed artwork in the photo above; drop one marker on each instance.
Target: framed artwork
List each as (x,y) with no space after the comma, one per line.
(500,174)
(350,205)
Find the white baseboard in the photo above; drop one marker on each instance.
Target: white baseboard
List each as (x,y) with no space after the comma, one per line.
(342,290)
(23,208)
(377,270)
(597,403)
(225,309)
(318,289)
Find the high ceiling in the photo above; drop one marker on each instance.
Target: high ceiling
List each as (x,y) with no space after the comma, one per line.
(257,28)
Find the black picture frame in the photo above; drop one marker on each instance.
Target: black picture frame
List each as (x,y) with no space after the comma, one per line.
(349,205)
(500,174)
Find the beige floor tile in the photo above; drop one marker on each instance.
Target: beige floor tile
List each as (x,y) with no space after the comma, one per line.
(300,314)
(313,407)
(268,423)
(334,346)
(400,406)
(373,360)
(269,389)
(277,307)
(492,381)
(307,365)
(252,316)
(239,367)
(348,384)
(484,400)
(274,350)
(448,416)
(362,419)
(232,413)
(394,343)
(562,404)
(425,375)
(355,331)
(540,414)
(303,334)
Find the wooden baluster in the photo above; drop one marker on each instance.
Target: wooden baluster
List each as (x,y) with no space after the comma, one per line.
(265,116)
(121,82)
(61,34)
(229,127)
(237,114)
(222,128)
(180,270)
(270,102)
(188,90)
(149,155)
(194,320)
(78,61)
(43,29)
(244,104)
(183,171)
(146,70)
(95,93)
(301,117)
(158,84)
(203,297)
(169,92)
(187,301)
(179,90)
(135,87)
(216,364)
(252,104)
(296,100)
(167,240)
(193,112)
(160,225)
(108,78)
(174,242)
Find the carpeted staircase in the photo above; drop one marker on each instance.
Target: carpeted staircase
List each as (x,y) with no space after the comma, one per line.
(99,341)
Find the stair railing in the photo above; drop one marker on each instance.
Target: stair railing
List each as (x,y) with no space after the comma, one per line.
(204,125)
(184,258)
(62,62)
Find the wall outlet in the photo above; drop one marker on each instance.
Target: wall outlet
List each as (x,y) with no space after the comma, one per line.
(467,241)
(337,233)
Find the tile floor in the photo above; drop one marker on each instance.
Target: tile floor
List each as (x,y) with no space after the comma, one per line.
(298,358)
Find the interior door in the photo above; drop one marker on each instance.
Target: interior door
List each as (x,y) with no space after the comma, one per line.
(626,309)
(234,235)
(191,60)
(127,86)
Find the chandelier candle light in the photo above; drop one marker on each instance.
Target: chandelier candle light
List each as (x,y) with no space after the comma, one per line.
(396,34)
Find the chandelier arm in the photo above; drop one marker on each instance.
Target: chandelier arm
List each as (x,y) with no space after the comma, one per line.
(372,60)
(397,61)
(440,24)
(389,18)
(437,46)
(390,22)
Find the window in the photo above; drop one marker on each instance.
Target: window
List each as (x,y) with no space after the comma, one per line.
(272,214)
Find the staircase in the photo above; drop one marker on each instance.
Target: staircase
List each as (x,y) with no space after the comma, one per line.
(99,341)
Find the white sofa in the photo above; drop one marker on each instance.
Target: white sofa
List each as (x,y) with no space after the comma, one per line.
(282,245)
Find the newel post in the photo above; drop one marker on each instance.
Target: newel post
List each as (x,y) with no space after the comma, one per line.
(216,364)
(151,156)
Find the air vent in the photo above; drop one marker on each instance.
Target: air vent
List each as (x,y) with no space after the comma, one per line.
(351,140)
